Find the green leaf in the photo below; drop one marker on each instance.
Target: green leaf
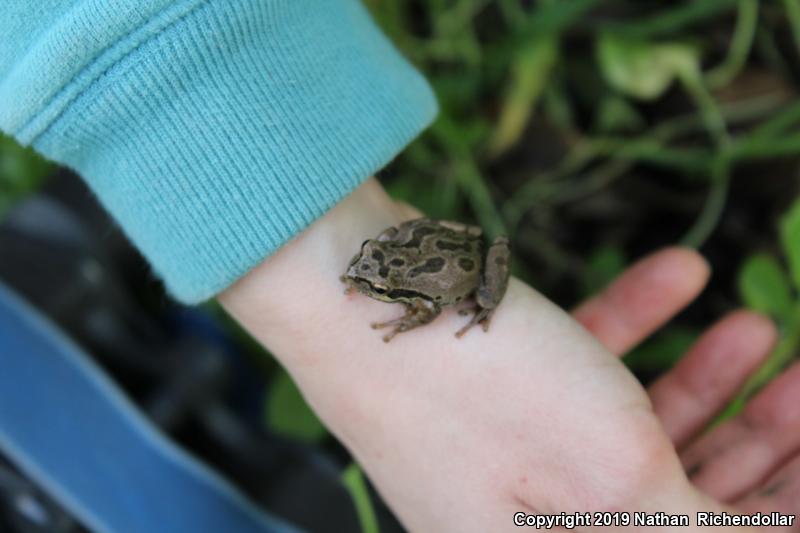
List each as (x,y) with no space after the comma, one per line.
(790,238)
(289,414)
(730,411)
(616,115)
(781,357)
(763,286)
(643,69)
(530,72)
(21,171)
(355,483)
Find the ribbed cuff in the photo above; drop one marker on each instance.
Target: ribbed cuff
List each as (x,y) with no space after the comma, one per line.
(217,138)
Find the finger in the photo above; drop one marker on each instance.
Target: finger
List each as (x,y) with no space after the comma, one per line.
(780,493)
(710,374)
(643,298)
(741,453)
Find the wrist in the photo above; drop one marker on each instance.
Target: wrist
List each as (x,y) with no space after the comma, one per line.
(295,278)
(292,302)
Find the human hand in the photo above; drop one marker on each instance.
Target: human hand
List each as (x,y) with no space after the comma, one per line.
(751,461)
(458,435)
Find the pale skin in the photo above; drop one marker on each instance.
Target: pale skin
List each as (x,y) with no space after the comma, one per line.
(536,415)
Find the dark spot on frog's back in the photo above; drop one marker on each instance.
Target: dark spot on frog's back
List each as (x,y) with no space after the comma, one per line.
(397,262)
(383,272)
(449,245)
(365,266)
(416,237)
(467,265)
(377,255)
(432,265)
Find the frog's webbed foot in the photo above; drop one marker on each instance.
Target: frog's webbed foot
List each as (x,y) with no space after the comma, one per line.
(417,314)
(395,322)
(482,316)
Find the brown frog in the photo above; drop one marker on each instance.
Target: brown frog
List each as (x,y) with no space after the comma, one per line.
(428,264)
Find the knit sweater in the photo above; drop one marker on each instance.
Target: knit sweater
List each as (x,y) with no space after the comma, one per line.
(212,130)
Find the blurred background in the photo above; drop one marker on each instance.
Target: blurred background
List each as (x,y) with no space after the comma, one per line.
(590,131)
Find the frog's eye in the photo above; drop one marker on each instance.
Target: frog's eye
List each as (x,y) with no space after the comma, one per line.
(380,290)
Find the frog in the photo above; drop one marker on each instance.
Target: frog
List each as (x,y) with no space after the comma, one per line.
(427,265)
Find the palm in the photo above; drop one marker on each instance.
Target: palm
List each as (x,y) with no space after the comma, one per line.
(751,461)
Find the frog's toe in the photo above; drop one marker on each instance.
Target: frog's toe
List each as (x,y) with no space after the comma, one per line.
(390,336)
(460,333)
(481,317)
(388,323)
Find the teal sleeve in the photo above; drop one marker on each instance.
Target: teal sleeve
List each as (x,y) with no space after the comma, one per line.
(213,131)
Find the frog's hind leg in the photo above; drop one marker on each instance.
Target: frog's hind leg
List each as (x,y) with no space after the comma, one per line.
(492,287)
(481,316)
(417,314)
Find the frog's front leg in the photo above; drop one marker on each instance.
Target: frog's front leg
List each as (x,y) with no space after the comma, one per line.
(418,313)
(492,288)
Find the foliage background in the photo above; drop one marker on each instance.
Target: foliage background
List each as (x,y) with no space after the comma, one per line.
(592,132)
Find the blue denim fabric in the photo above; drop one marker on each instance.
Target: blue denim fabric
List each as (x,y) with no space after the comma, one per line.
(71,429)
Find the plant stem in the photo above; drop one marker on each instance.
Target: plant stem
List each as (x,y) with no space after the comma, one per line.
(472,183)
(741,43)
(793,14)
(650,147)
(709,111)
(357,486)
(781,356)
(777,124)
(715,203)
(598,179)
(670,21)
(760,148)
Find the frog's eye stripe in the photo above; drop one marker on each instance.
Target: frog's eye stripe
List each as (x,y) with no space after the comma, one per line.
(405,293)
(377,288)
